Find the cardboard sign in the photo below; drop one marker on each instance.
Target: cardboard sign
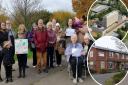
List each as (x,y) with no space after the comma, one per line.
(21,46)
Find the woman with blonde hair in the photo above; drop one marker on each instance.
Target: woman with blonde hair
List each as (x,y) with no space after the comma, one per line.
(51,44)
(22,58)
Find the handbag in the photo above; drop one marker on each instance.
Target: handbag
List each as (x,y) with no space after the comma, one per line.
(61,50)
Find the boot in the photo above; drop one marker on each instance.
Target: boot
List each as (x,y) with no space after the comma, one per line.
(7,80)
(24,73)
(20,73)
(0,76)
(1,79)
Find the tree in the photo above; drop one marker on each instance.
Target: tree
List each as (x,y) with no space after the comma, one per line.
(3,16)
(126,2)
(62,17)
(23,10)
(81,7)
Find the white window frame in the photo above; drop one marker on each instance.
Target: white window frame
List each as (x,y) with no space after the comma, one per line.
(101,53)
(102,65)
(91,54)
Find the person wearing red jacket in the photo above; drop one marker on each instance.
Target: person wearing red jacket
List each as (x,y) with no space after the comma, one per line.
(41,40)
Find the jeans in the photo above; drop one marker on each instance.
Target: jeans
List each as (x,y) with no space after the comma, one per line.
(34,56)
(50,54)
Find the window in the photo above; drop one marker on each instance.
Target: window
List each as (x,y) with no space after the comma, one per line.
(101,53)
(117,54)
(91,53)
(102,65)
(126,57)
(111,54)
(110,65)
(122,56)
(91,65)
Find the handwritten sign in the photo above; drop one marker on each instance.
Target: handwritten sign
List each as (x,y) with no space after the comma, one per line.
(70,32)
(21,46)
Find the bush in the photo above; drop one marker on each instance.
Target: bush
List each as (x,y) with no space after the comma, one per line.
(118,77)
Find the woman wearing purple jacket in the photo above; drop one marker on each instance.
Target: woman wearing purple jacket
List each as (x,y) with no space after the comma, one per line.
(51,44)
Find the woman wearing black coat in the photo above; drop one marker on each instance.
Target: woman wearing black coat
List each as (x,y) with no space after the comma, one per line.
(7,60)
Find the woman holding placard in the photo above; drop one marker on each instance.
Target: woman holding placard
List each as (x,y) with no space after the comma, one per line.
(22,57)
(69,31)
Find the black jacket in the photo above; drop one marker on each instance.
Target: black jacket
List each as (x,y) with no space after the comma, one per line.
(7,59)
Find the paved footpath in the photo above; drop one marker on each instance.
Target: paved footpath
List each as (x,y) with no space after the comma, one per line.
(56,76)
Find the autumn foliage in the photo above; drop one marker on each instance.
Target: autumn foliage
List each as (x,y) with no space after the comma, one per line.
(81,7)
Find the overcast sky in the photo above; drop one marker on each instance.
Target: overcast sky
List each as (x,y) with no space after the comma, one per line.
(50,5)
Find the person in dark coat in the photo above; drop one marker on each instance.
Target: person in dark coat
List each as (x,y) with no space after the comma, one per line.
(11,36)
(1,57)
(86,45)
(30,37)
(7,60)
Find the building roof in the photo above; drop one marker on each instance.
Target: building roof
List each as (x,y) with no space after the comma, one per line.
(111,50)
(111,43)
(99,8)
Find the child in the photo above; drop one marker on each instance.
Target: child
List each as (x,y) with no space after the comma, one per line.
(22,57)
(7,61)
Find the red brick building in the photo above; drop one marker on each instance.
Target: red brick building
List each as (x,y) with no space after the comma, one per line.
(107,59)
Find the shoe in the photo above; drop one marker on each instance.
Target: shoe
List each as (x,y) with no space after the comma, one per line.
(39,71)
(19,76)
(45,70)
(24,76)
(80,80)
(13,69)
(34,66)
(60,65)
(27,66)
(11,80)
(6,81)
(74,81)
(1,79)
(51,66)
(56,65)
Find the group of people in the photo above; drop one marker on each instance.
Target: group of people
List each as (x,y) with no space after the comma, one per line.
(48,43)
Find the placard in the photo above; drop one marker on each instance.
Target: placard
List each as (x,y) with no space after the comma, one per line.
(21,46)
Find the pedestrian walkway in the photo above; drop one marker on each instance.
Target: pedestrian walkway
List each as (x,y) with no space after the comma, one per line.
(56,76)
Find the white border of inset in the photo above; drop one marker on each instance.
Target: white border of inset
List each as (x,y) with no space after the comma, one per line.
(89,69)
(88,19)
